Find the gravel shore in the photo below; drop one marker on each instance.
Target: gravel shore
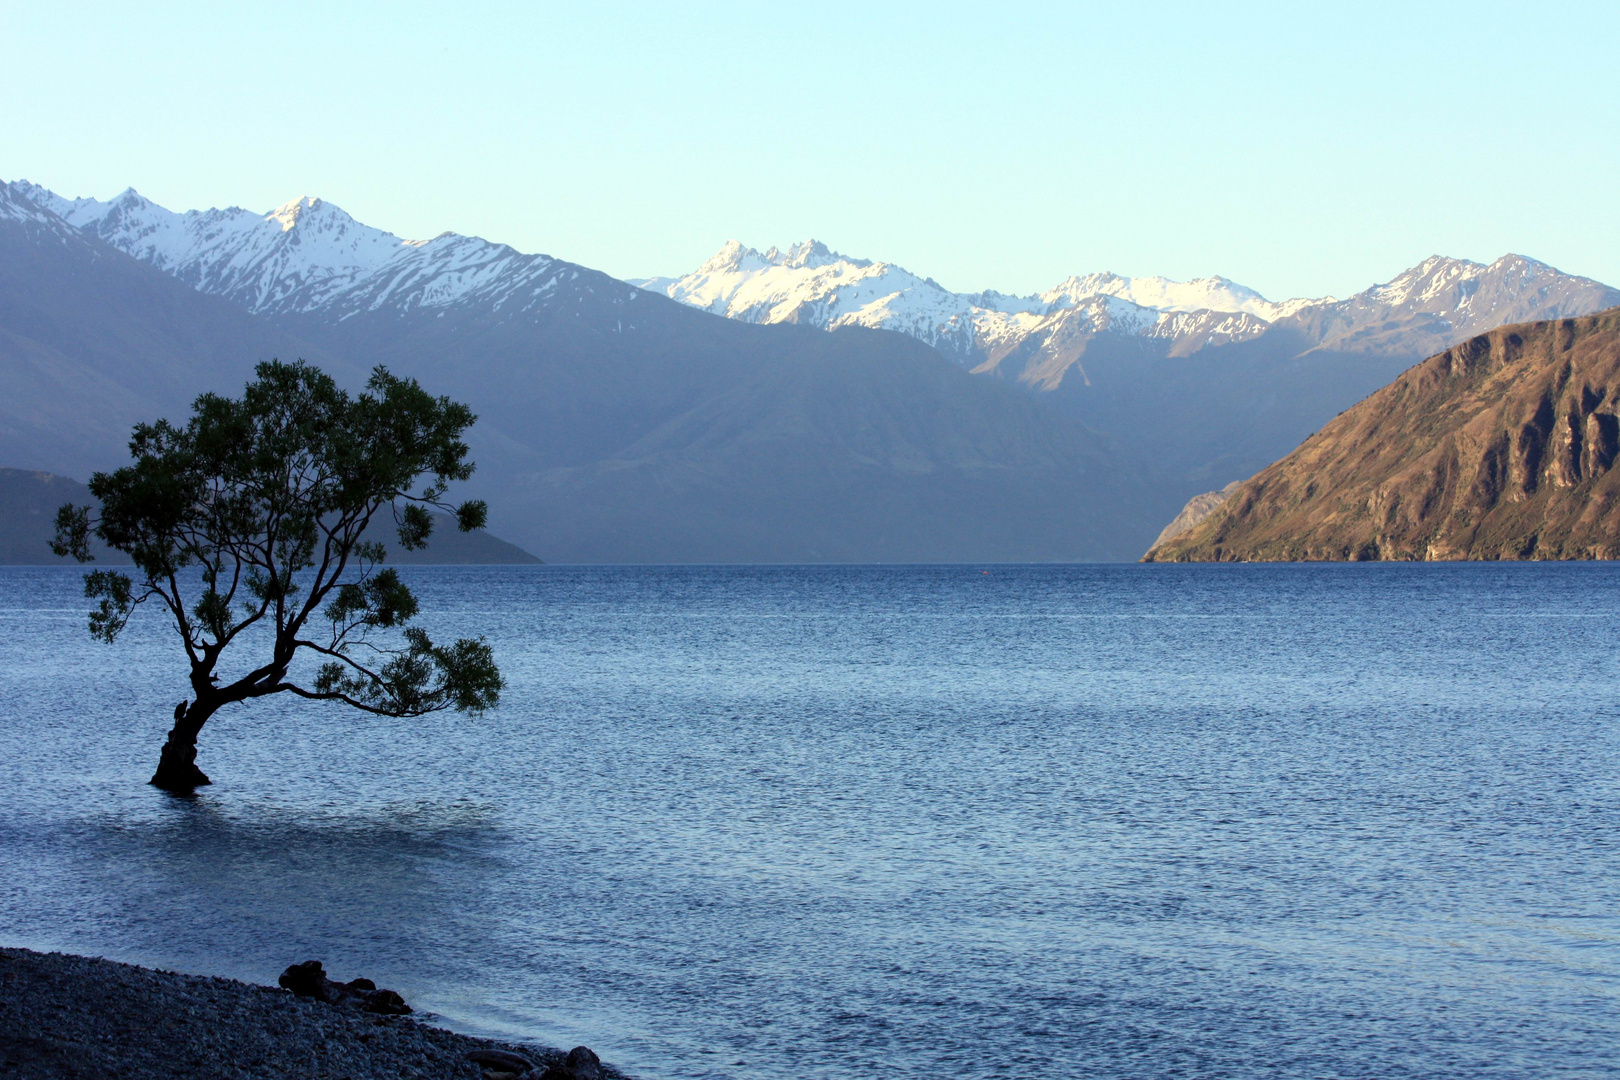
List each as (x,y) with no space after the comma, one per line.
(68,1017)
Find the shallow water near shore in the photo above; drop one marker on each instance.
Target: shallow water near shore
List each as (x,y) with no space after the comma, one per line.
(805,822)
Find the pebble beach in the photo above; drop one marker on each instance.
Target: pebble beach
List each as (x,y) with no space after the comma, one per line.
(65,1017)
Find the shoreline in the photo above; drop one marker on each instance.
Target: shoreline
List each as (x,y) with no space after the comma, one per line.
(67,1017)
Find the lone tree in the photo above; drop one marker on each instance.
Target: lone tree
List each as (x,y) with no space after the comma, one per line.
(247,524)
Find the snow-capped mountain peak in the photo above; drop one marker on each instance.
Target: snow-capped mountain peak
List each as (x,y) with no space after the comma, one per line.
(1435,303)
(809,282)
(734,258)
(1162,294)
(307,255)
(1442,300)
(1424,282)
(81,212)
(1462,288)
(288,214)
(810,255)
(17,207)
(294,257)
(14,206)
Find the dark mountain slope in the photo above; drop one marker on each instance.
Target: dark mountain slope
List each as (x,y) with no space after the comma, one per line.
(92,341)
(1499,448)
(29,501)
(1222,413)
(28,505)
(448,546)
(616,425)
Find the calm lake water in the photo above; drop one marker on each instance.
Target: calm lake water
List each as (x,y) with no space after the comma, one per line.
(1080,821)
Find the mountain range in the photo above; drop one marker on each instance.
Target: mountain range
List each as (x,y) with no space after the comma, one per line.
(1502,447)
(809,283)
(784,406)
(615,425)
(1439,301)
(1206,380)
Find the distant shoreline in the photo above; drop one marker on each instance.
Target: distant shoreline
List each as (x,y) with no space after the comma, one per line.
(64,1016)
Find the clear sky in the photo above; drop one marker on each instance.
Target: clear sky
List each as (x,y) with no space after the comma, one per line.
(1299,148)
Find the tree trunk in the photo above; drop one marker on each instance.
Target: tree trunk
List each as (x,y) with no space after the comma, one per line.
(177,767)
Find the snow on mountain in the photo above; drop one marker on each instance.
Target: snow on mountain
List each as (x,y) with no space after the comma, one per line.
(307,248)
(1215,294)
(306,256)
(1474,297)
(309,256)
(1442,301)
(18,211)
(1423,310)
(16,206)
(454,270)
(809,283)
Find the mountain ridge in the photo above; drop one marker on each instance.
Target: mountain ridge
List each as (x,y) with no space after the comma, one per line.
(93,340)
(812,283)
(305,255)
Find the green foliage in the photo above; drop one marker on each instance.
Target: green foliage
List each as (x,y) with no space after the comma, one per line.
(116,595)
(72,533)
(471,515)
(381,600)
(252,513)
(407,685)
(415,524)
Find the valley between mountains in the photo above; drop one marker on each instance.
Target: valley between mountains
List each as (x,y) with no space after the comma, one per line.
(784,406)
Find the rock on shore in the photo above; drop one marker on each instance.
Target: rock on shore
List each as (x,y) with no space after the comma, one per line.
(76,1018)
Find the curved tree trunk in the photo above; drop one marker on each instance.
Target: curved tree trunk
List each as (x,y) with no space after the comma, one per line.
(177,766)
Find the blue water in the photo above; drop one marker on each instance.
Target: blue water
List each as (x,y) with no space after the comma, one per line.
(1094,821)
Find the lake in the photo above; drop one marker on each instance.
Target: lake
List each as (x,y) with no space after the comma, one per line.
(814,822)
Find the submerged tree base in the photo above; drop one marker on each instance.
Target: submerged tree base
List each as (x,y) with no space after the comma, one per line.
(179,780)
(177,770)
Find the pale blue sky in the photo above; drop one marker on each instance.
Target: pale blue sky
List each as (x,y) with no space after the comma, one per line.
(1299,149)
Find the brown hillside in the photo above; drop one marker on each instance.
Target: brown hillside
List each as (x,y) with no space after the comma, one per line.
(1502,447)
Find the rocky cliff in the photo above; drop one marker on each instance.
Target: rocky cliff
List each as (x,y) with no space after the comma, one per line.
(1197,509)
(1502,447)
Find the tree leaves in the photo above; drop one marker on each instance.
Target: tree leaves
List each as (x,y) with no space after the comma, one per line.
(415,526)
(381,600)
(116,593)
(472,514)
(72,533)
(419,679)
